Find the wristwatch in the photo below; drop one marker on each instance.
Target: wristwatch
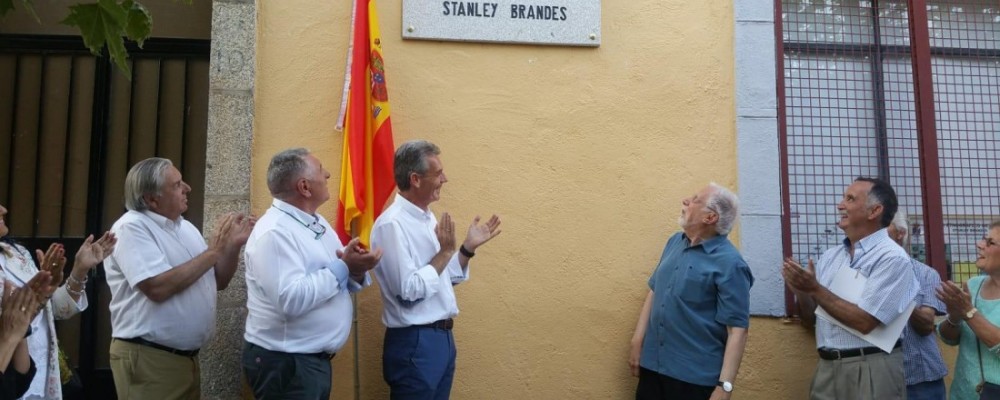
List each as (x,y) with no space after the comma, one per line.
(971,313)
(726,386)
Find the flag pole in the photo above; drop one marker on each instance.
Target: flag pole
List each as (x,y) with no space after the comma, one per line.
(340,128)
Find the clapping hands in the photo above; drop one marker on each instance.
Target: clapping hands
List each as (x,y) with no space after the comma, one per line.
(358,259)
(51,262)
(231,231)
(20,305)
(93,252)
(480,234)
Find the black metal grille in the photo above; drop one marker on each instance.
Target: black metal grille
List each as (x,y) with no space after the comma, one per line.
(851,108)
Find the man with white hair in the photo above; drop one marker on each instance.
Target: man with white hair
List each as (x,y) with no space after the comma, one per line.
(163,278)
(692,329)
(923,366)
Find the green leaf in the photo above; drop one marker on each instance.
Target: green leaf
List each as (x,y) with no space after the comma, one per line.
(116,49)
(140,22)
(7,6)
(101,24)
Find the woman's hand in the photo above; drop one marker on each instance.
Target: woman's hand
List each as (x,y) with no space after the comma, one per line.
(956,299)
(19,307)
(92,252)
(51,261)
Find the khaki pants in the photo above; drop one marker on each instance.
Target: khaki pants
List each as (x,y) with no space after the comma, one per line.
(142,372)
(868,377)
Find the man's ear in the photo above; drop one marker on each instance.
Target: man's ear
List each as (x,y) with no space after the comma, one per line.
(875,213)
(414,179)
(712,218)
(152,202)
(302,187)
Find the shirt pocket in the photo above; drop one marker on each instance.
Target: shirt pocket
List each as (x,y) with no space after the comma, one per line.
(697,286)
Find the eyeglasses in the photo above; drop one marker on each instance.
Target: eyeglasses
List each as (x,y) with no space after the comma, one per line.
(316,227)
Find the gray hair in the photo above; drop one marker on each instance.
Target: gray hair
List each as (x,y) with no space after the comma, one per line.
(901,224)
(285,168)
(145,177)
(412,157)
(724,203)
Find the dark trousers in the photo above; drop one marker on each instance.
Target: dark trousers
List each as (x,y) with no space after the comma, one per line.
(277,375)
(654,386)
(931,390)
(418,362)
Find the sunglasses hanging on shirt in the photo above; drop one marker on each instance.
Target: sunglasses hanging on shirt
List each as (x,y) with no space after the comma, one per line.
(315,226)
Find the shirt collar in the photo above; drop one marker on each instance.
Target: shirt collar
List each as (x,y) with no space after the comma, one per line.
(710,244)
(163,222)
(412,209)
(868,242)
(303,217)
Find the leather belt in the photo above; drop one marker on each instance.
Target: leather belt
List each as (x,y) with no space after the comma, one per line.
(444,324)
(171,350)
(325,356)
(836,354)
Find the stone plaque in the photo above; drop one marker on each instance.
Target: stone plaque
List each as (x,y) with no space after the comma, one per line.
(550,22)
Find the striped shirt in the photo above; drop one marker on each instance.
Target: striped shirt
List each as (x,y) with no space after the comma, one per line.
(922,360)
(890,288)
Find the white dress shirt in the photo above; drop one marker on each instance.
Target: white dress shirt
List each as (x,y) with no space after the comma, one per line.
(298,290)
(413,293)
(149,244)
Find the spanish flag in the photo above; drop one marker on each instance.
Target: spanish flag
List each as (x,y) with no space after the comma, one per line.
(366,176)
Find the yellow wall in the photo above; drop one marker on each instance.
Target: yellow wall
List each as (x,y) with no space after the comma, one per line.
(585,153)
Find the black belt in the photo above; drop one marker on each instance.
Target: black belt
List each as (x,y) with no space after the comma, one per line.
(171,350)
(835,354)
(445,324)
(324,355)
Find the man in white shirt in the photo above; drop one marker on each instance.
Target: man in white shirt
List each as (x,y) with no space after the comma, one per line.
(419,266)
(163,279)
(299,279)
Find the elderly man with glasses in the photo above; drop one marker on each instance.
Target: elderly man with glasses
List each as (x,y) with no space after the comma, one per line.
(692,328)
(299,279)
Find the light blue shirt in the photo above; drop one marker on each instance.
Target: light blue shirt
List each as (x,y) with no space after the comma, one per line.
(890,288)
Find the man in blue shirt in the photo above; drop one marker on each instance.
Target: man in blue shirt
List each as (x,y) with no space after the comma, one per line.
(923,366)
(692,329)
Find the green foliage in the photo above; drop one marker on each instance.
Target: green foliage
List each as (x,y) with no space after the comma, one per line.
(105,23)
(8,5)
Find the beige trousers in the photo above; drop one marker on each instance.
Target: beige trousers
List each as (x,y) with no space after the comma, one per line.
(868,377)
(142,372)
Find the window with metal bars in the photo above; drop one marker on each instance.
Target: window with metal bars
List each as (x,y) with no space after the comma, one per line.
(870,88)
